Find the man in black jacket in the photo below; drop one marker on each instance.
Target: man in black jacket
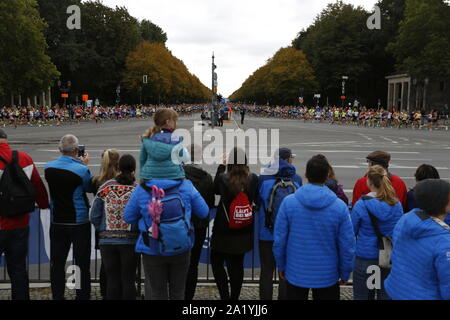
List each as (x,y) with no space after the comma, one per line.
(203,182)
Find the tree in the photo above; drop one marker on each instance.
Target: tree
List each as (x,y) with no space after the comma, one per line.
(169,80)
(422,47)
(339,44)
(93,58)
(24,66)
(151,32)
(280,80)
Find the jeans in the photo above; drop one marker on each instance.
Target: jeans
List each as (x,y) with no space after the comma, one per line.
(192,276)
(120,263)
(61,238)
(268,266)
(360,277)
(235,268)
(298,293)
(14,244)
(167,275)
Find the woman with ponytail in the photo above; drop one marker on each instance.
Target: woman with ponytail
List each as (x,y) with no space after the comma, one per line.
(230,242)
(158,144)
(109,169)
(117,238)
(382,204)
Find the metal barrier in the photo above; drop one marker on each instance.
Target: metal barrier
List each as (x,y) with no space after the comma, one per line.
(38,264)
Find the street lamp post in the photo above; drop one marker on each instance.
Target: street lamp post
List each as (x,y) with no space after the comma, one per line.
(118,95)
(213,93)
(344,78)
(65,90)
(301,96)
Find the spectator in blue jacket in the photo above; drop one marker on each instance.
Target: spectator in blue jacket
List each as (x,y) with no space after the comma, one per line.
(423,172)
(69,179)
(314,242)
(165,271)
(116,237)
(383,205)
(421,255)
(286,172)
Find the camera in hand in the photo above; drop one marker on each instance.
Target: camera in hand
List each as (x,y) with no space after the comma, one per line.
(81,151)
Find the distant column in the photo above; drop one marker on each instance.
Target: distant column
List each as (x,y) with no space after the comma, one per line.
(12,99)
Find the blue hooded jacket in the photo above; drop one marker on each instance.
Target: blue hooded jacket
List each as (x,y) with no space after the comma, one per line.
(314,242)
(136,210)
(156,157)
(266,183)
(387,217)
(420,260)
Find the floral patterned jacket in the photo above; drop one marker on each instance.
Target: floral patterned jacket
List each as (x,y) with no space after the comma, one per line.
(107,214)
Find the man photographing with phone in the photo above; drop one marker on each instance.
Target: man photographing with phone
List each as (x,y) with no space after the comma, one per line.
(69,179)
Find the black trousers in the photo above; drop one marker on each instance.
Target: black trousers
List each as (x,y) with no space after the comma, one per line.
(192,276)
(14,244)
(242,119)
(61,238)
(268,266)
(120,263)
(235,268)
(298,293)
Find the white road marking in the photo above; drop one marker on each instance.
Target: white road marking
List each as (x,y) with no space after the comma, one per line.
(359,151)
(366,137)
(397,159)
(93,150)
(390,140)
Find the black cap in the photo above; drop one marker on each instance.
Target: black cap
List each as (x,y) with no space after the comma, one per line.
(285,153)
(3,134)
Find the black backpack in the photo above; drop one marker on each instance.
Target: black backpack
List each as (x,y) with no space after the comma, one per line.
(17,193)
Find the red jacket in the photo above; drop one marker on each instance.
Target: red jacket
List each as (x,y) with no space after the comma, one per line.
(28,166)
(361,189)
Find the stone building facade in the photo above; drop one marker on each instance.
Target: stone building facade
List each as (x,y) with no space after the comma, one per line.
(406,93)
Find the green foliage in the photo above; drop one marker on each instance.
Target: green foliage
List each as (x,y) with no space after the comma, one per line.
(422,47)
(151,32)
(339,44)
(280,80)
(93,58)
(168,78)
(24,66)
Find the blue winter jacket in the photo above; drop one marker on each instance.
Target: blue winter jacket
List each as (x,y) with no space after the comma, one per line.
(156,157)
(266,183)
(387,217)
(69,180)
(136,210)
(447,220)
(420,260)
(314,242)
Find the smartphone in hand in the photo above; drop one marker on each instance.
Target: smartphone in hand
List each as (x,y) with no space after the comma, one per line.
(81,151)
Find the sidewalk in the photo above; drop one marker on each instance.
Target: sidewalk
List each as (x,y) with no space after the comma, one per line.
(204,292)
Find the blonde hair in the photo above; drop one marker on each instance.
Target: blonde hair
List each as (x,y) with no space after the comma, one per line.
(109,168)
(160,119)
(378,176)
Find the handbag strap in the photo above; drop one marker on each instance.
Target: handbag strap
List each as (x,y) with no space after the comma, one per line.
(225,211)
(374,224)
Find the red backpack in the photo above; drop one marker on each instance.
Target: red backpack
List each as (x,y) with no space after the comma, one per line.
(240,214)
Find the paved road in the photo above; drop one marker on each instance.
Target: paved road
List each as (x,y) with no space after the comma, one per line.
(345,146)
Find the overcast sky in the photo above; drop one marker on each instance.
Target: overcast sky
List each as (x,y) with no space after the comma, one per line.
(242,33)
